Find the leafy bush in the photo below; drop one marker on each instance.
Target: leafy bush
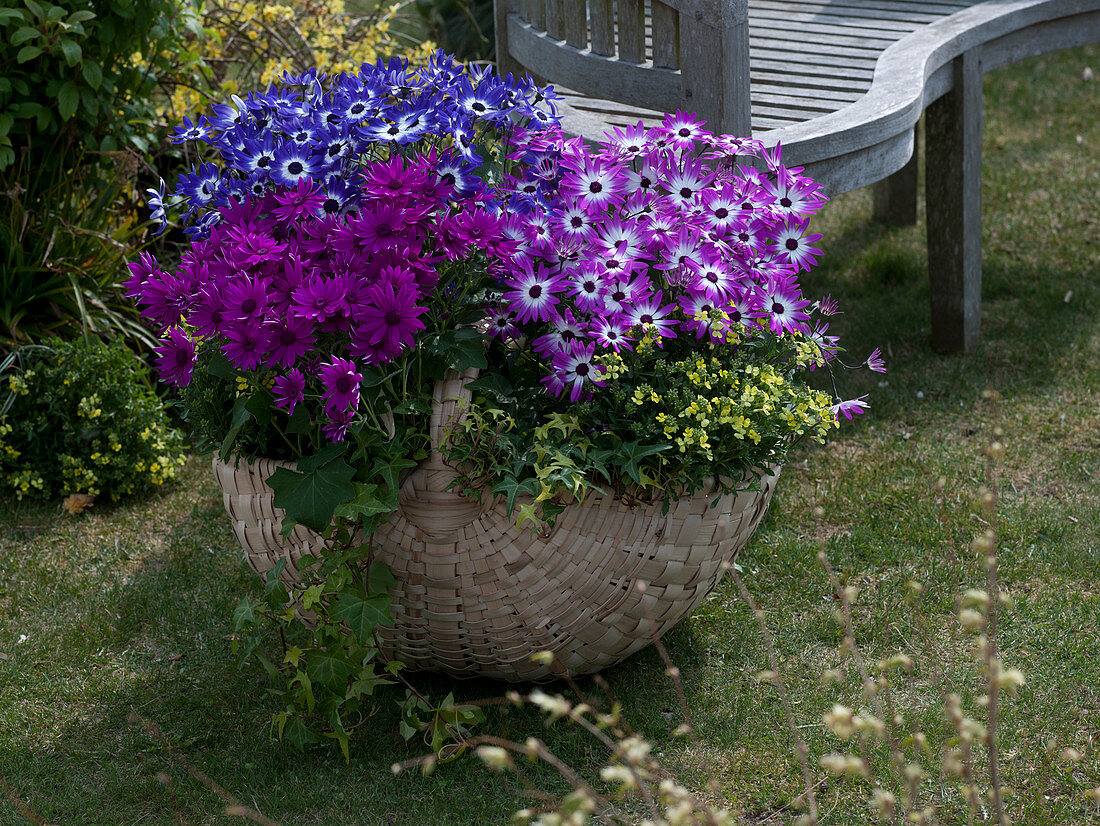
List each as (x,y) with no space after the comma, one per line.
(87,72)
(81,418)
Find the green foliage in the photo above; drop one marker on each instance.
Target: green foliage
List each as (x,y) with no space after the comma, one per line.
(86,71)
(686,417)
(330,667)
(64,242)
(463,28)
(81,418)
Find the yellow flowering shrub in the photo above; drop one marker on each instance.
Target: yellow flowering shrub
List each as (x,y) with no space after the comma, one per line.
(82,419)
(246,44)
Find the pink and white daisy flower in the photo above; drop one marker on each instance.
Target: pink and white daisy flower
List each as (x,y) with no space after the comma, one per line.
(532,294)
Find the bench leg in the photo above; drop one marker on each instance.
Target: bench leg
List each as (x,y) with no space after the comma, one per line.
(953,198)
(896,196)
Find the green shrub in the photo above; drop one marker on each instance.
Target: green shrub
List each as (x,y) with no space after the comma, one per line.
(87,72)
(82,418)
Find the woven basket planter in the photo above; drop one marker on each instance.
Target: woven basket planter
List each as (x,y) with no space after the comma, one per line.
(475,596)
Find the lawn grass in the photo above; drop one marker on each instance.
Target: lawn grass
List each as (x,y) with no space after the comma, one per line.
(127,609)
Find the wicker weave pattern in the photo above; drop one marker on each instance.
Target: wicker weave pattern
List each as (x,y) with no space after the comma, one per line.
(477,596)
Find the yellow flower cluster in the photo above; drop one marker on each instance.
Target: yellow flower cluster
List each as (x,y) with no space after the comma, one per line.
(720,405)
(270,38)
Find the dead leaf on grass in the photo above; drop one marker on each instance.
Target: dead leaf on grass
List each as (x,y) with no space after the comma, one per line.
(77,502)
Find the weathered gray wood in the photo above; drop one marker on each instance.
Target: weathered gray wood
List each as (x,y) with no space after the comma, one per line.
(575,23)
(501,10)
(602,18)
(829,99)
(537,14)
(953,193)
(722,97)
(555,19)
(590,74)
(666,36)
(631,23)
(895,197)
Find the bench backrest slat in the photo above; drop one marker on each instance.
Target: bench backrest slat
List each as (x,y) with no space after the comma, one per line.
(602,17)
(689,40)
(666,36)
(631,30)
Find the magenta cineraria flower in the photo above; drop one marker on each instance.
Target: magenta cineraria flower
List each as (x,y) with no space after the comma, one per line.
(246,345)
(795,245)
(299,201)
(176,358)
(392,316)
(335,428)
(340,381)
(289,390)
(290,339)
(784,304)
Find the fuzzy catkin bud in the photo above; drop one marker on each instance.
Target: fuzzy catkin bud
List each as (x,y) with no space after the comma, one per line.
(495,757)
(883,803)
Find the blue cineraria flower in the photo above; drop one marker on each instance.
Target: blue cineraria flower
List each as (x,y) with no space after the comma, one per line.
(292,163)
(257,154)
(200,187)
(188,131)
(488,100)
(458,174)
(340,196)
(301,131)
(200,230)
(155,202)
(223,116)
(395,76)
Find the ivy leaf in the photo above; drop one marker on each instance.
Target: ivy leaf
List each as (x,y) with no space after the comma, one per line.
(298,733)
(332,672)
(244,614)
(299,423)
(495,384)
(511,488)
(365,504)
(362,614)
(312,493)
(469,350)
(380,580)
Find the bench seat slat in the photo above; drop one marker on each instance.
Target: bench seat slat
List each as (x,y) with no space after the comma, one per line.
(880,38)
(820,47)
(823,82)
(843,12)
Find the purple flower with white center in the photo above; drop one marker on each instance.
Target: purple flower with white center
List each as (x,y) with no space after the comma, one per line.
(578,370)
(585,288)
(875,362)
(501,322)
(827,306)
(335,429)
(627,142)
(289,390)
(596,185)
(714,277)
(565,331)
(784,304)
(652,317)
(176,358)
(340,382)
(532,293)
(611,331)
(685,184)
(684,129)
(850,408)
(795,245)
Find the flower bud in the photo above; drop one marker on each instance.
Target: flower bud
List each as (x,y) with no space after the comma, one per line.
(883,803)
(495,757)
(975,598)
(972,620)
(840,721)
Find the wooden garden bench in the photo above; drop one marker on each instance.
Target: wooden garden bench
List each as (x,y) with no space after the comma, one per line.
(841,83)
